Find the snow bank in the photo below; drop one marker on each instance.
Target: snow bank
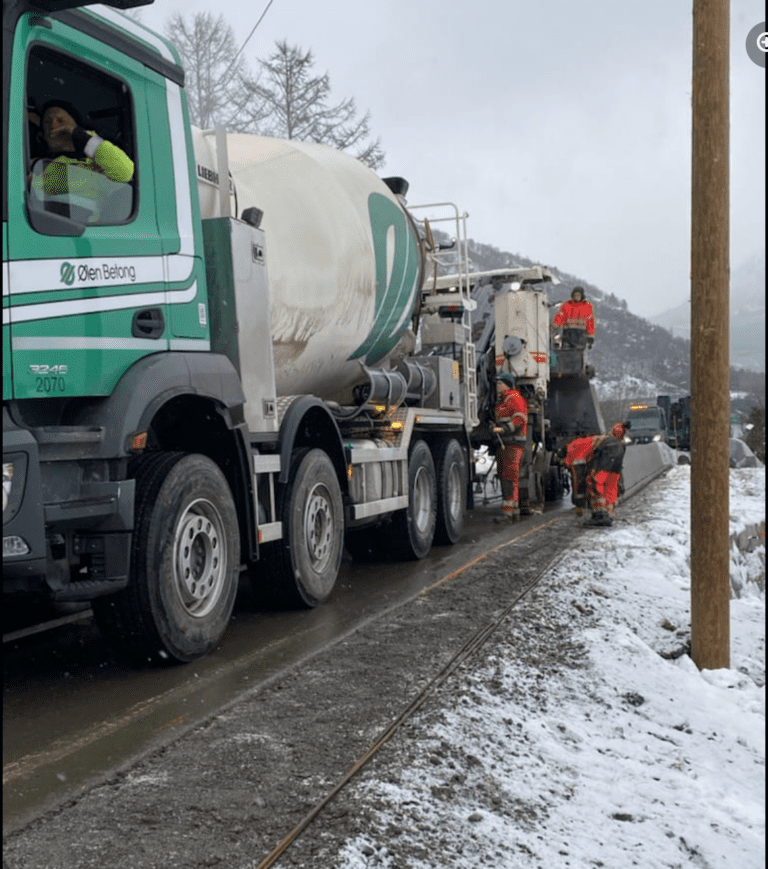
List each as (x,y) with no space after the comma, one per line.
(622,753)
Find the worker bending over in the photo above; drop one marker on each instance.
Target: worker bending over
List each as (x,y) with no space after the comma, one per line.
(595,464)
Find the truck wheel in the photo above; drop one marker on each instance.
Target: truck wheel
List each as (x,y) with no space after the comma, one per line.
(185,560)
(412,530)
(532,499)
(451,465)
(305,564)
(554,484)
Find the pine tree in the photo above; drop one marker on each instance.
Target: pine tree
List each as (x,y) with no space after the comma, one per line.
(298,106)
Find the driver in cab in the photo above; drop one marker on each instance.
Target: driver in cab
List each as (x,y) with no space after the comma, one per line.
(70,147)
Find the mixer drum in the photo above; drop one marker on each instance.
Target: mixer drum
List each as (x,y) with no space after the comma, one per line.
(344,260)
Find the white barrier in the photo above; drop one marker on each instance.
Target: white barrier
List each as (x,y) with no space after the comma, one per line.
(643,463)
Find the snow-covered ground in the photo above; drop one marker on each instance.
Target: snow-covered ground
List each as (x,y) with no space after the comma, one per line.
(629,756)
(630,388)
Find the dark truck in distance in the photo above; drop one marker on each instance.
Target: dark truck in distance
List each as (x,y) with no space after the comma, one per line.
(649,424)
(678,415)
(665,422)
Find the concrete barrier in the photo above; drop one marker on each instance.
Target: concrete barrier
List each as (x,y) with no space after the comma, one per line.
(643,463)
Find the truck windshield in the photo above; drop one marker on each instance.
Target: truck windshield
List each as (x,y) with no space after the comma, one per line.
(645,420)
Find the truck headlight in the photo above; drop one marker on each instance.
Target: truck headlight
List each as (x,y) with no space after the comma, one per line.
(657,437)
(14,477)
(14,545)
(7,483)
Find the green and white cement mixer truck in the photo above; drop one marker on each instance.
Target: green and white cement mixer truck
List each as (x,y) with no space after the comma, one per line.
(208,367)
(221,353)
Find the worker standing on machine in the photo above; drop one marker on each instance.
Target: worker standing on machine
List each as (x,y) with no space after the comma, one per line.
(511,429)
(576,318)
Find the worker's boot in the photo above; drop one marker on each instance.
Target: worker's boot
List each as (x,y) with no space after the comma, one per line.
(507,517)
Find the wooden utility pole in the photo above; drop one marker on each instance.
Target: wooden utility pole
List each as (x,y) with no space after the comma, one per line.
(710,587)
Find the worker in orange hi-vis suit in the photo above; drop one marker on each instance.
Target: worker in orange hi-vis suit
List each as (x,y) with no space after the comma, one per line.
(595,464)
(605,473)
(576,318)
(575,456)
(511,429)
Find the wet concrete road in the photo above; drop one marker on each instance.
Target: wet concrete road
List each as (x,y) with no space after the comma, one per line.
(73,716)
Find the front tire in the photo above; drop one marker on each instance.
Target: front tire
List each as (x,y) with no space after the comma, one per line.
(185,560)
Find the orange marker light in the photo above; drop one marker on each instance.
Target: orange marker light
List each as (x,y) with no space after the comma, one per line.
(139,441)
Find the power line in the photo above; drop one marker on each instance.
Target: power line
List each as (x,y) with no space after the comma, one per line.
(240,50)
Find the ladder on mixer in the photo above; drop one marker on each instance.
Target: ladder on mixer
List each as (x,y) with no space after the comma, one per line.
(446,298)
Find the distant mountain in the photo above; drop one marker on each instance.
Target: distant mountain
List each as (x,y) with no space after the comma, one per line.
(747,315)
(638,359)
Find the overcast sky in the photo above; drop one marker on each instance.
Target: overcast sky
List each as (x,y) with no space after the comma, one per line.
(563,129)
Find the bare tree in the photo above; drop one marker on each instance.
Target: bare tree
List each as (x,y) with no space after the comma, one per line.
(220,91)
(297,105)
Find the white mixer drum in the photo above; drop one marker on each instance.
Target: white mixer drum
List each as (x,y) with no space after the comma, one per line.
(344,262)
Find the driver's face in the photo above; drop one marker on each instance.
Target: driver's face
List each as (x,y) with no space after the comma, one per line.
(57,126)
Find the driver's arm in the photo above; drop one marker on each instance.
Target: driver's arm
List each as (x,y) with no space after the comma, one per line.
(114,162)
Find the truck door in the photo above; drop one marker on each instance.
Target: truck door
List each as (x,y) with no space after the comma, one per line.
(88,268)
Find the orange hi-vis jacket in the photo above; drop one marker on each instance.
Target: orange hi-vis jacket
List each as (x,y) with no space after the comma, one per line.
(580,450)
(576,315)
(513,409)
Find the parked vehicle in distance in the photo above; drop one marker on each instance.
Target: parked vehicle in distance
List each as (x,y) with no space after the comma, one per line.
(678,415)
(649,424)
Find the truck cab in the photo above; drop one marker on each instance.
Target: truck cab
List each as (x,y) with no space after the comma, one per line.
(106,323)
(649,424)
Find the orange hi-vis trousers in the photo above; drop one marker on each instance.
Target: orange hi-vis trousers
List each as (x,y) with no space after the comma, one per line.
(603,491)
(509,459)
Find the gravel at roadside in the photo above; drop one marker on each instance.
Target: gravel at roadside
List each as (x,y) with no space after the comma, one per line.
(228,792)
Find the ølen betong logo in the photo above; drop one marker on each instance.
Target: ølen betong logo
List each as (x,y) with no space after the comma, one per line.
(67,274)
(757,43)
